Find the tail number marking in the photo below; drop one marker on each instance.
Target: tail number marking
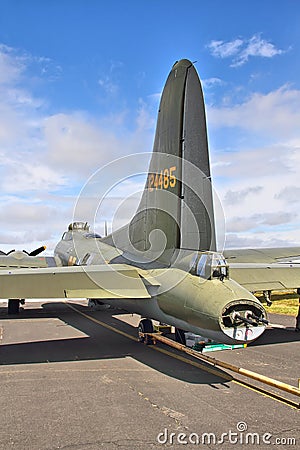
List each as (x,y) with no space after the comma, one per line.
(163,180)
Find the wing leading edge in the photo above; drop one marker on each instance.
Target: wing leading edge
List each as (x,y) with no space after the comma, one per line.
(99,281)
(266,277)
(262,255)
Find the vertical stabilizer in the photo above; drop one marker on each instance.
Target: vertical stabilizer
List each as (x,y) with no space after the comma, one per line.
(159,208)
(197,190)
(176,208)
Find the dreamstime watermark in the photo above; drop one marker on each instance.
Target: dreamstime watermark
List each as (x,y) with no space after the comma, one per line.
(239,436)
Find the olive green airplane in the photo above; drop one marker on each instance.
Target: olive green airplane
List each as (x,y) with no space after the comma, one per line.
(164,264)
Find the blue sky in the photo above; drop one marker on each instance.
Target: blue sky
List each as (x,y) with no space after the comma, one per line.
(80,83)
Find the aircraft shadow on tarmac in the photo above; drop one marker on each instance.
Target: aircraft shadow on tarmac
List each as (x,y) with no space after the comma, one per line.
(102,343)
(278,335)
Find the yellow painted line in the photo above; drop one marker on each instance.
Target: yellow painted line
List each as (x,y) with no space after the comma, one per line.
(161,350)
(105,325)
(227,377)
(50,370)
(224,375)
(274,396)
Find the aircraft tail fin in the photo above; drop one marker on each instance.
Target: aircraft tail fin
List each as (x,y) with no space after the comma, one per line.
(176,208)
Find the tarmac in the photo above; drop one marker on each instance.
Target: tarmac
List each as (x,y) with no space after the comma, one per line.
(72,378)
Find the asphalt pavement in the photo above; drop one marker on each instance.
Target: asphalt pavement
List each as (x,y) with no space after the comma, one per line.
(78,379)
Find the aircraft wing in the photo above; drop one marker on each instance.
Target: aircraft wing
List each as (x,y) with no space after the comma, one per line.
(262,255)
(266,277)
(19,260)
(94,281)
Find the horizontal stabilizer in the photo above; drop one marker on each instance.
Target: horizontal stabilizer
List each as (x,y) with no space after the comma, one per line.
(265,277)
(99,281)
(262,255)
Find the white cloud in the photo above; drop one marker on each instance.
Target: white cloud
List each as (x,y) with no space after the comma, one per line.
(221,49)
(289,194)
(239,50)
(256,46)
(209,83)
(77,144)
(261,240)
(28,213)
(27,223)
(259,184)
(82,145)
(277,112)
(43,155)
(53,153)
(252,222)
(108,82)
(145,119)
(231,197)
(11,66)
(19,108)
(108,85)
(20,176)
(258,189)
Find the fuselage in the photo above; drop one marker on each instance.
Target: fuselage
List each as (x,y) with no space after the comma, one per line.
(194,294)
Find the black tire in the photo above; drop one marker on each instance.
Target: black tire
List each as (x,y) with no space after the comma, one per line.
(145,326)
(13,306)
(180,336)
(97,305)
(92,303)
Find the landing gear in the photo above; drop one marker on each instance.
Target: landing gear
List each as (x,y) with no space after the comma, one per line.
(180,336)
(145,326)
(97,305)
(13,306)
(267,297)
